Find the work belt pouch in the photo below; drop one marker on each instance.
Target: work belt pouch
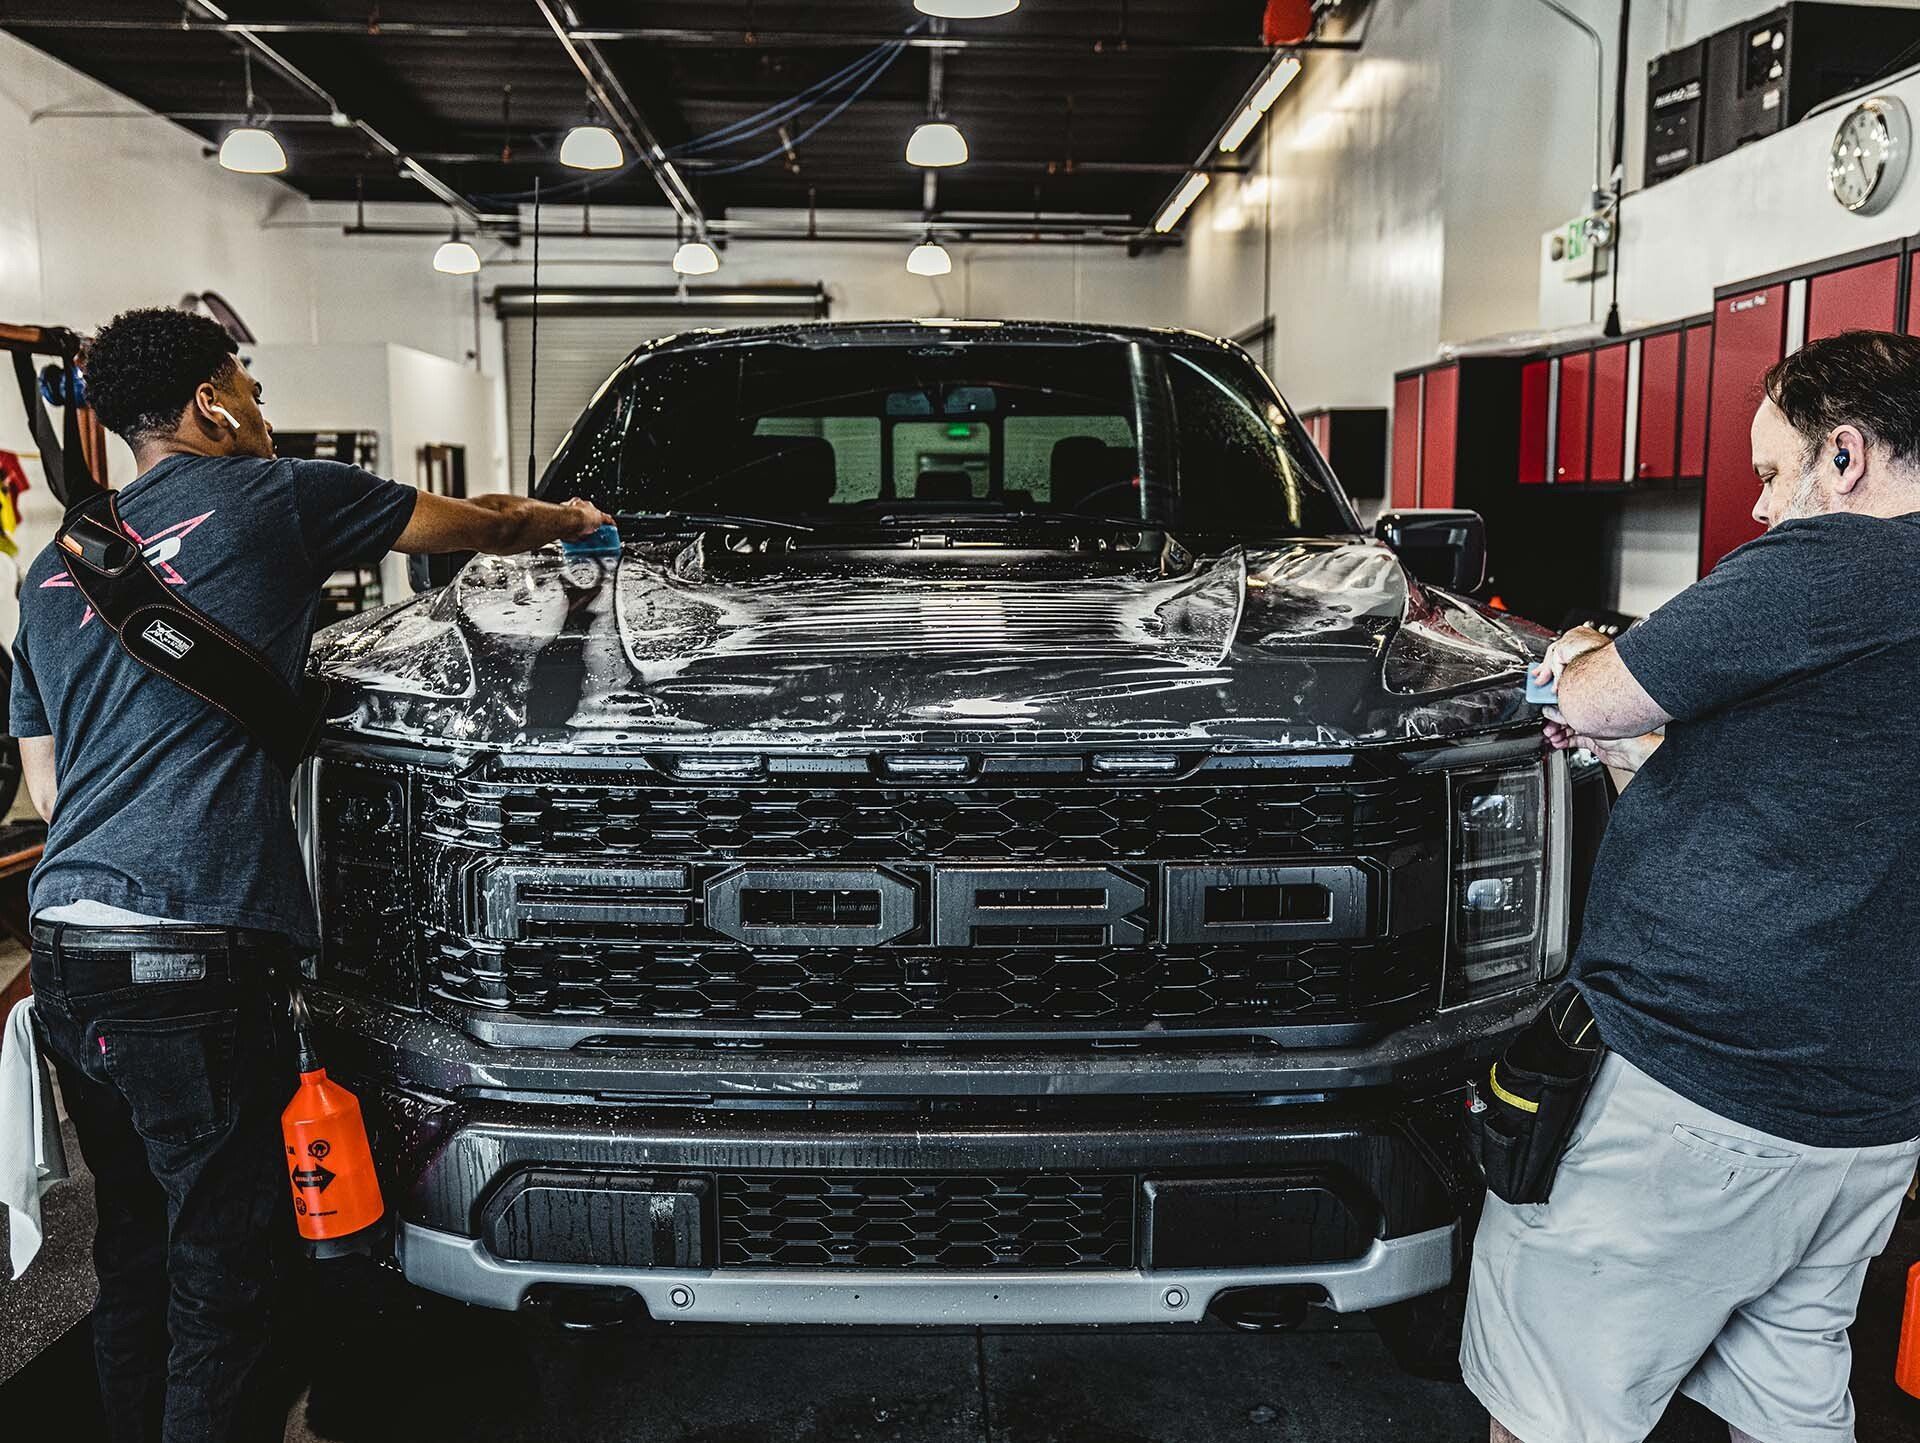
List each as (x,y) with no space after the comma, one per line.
(1533,1096)
(161,631)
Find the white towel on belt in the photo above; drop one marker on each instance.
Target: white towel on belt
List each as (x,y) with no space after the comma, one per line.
(32,1158)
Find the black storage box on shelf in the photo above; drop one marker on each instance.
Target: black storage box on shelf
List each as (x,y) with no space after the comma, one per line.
(356,448)
(1676,102)
(1766,73)
(1354,441)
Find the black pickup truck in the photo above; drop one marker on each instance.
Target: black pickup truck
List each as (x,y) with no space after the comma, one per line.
(992,842)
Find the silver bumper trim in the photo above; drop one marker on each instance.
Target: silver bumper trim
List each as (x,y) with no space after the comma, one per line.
(1391,1270)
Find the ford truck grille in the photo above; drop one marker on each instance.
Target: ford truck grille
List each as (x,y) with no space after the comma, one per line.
(828,898)
(918,1220)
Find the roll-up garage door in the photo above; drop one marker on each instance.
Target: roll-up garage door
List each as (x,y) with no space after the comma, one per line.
(585,333)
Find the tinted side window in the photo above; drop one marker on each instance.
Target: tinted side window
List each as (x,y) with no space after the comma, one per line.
(1240,455)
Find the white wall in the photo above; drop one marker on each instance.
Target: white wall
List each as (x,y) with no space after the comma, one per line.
(1347,173)
(1406,188)
(407,397)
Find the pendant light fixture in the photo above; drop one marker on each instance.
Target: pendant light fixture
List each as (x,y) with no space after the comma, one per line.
(591,146)
(252,149)
(935,144)
(455,257)
(966,9)
(696,258)
(929,258)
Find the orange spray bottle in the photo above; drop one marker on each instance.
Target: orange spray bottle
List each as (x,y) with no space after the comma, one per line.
(1906,1367)
(336,1193)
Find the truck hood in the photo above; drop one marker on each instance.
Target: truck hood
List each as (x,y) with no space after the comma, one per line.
(1312,644)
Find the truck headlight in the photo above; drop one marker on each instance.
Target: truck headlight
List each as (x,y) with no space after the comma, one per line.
(361,828)
(1507,915)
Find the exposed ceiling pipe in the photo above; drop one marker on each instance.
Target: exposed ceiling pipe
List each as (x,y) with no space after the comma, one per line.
(936,110)
(891,233)
(1069,45)
(1068,166)
(434,186)
(1599,86)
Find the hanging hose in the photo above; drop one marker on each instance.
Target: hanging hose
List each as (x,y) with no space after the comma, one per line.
(895,52)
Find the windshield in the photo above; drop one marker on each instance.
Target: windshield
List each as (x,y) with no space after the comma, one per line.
(858,435)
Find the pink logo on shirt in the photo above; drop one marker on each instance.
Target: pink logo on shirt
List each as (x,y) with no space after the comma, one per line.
(159,549)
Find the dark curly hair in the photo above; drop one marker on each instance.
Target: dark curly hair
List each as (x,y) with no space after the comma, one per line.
(144,366)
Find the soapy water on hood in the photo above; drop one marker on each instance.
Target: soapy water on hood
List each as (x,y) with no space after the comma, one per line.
(1314,644)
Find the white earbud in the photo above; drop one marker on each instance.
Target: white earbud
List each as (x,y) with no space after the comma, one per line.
(229,415)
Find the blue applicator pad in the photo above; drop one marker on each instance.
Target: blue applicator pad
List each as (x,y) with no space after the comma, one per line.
(1538,695)
(604,541)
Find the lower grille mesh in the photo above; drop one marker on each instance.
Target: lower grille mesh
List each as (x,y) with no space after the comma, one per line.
(1097,988)
(916,1220)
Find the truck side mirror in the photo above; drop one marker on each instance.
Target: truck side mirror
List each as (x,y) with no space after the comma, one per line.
(429,573)
(1443,548)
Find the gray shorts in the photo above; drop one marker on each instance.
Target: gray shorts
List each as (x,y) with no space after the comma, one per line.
(1681,1252)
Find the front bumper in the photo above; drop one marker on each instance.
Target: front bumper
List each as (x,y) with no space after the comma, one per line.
(1391,1270)
(1377,1125)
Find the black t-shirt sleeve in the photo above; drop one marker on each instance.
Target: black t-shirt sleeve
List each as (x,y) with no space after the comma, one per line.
(1743,629)
(348,517)
(26,714)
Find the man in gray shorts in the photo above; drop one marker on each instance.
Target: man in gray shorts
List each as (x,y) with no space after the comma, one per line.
(1751,954)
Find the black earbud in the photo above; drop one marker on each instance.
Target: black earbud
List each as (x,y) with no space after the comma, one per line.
(1842,458)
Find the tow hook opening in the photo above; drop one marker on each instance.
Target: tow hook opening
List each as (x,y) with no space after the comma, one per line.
(584,1307)
(1266,1310)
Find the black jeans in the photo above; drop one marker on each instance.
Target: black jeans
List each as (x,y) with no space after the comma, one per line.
(175,1059)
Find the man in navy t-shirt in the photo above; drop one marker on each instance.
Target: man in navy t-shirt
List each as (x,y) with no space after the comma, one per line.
(171,885)
(1749,953)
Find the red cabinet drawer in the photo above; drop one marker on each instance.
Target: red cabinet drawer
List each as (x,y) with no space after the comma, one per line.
(1570,434)
(1656,447)
(1854,298)
(1749,335)
(1696,371)
(1609,426)
(1536,381)
(1439,435)
(1406,442)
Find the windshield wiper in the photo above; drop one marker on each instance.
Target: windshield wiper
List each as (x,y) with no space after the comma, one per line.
(953,518)
(670,523)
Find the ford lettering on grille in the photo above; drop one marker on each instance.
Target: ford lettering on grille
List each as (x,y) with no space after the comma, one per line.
(934,905)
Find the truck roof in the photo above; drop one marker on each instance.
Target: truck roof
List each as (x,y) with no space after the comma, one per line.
(826,334)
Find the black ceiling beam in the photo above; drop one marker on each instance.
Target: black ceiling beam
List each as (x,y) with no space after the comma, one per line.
(1067,45)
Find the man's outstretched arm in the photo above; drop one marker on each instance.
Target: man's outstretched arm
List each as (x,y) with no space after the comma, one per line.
(497,524)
